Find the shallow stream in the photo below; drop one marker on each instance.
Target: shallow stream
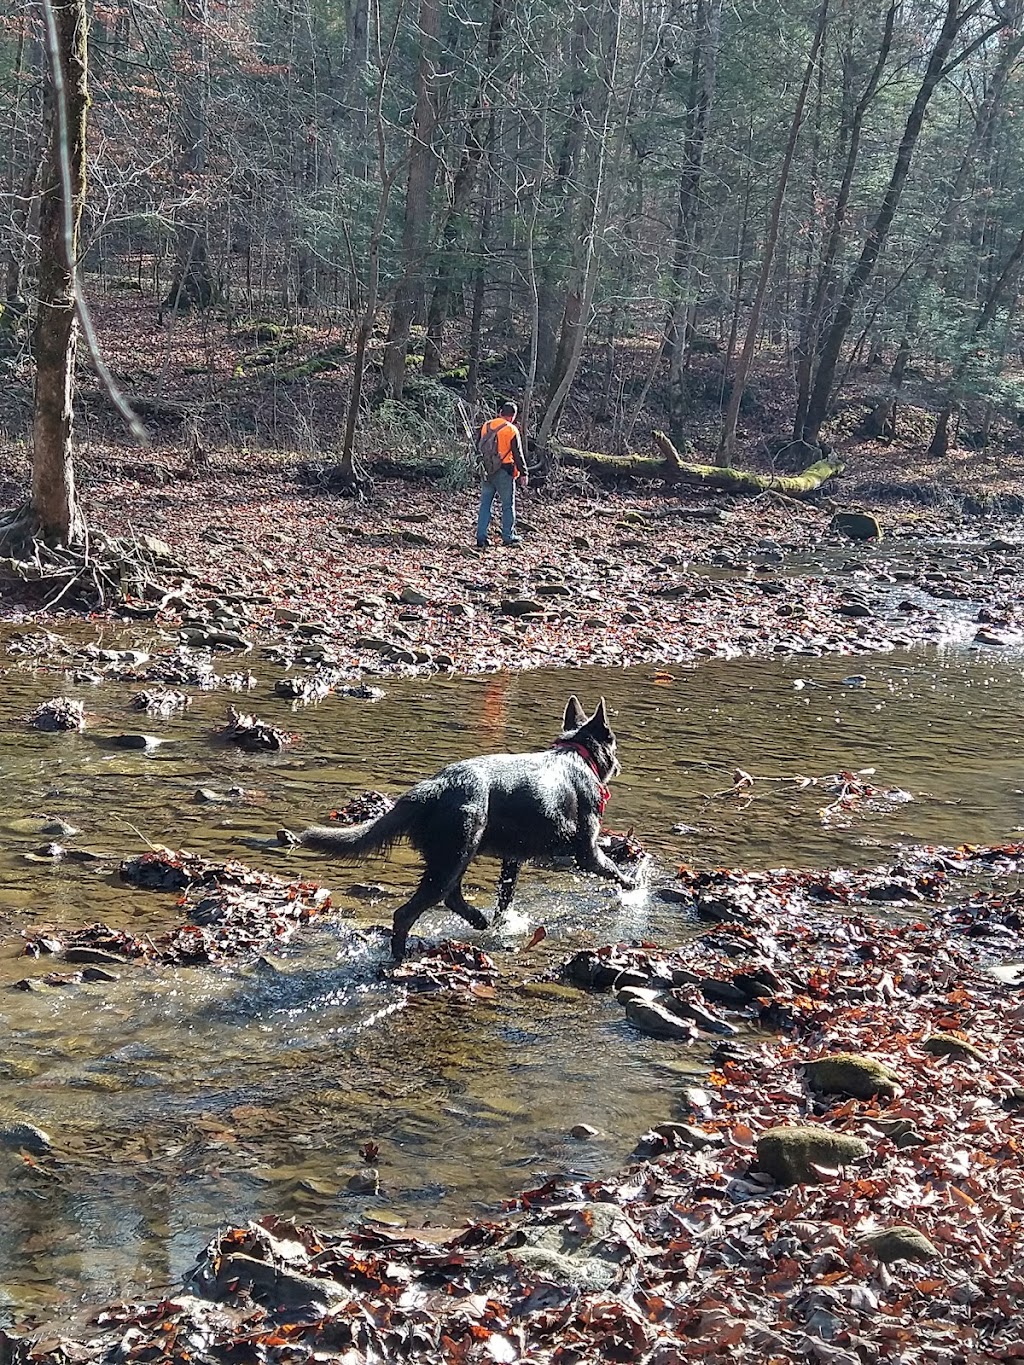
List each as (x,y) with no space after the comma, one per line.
(182,1100)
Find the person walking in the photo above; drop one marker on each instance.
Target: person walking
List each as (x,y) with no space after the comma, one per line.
(499,446)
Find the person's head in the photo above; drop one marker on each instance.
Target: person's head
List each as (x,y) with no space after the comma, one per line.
(508,410)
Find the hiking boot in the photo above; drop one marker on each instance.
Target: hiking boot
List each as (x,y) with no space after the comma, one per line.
(481,545)
(516,540)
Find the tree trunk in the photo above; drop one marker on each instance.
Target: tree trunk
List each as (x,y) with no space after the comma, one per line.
(417,201)
(192,285)
(827,273)
(453,233)
(705,57)
(957,14)
(54,504)
(739,379)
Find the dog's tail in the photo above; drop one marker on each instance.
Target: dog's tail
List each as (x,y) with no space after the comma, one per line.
(356,841)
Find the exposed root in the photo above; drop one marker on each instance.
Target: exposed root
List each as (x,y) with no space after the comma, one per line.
(94,570)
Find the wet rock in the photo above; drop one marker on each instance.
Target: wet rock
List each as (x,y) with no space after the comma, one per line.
(23,1136)
(899,1243)
(161,702)
(669,1137)
(207,796)
(999,546)
(854,608)
(364,1182)
(83,953)
(648,1012)
(133,741)
(59,713)
(668,1014)
(583,1131)
(856,525)
(59,828)
(948,1045)
(796,1154)
(989,635)
(847,1073)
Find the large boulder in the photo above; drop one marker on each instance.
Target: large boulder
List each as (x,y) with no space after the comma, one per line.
(798,1153)
(856,525)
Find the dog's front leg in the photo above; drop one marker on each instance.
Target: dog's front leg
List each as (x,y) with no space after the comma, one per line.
(507,879)
(591,858)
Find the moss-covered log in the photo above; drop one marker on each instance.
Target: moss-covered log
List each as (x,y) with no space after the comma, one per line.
(674,471)
(727,480)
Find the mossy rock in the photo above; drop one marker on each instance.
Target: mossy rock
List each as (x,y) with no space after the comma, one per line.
(848,1073)
(792,1153)
(856,525)
(899,1243)
(948,1045)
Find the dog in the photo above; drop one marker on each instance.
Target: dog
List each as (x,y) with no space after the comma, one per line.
(516,807)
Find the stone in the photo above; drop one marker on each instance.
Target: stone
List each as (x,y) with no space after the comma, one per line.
(848,1073)
(856,525)
(131,741)
(552,590)
(413,597)
(854,609)
(797,1153)
(948,1045)
(156,547)
(415,538)
(25,1137)
(582,1131)
(364,1182)
(899,1243)
(520,606)
(582,1251)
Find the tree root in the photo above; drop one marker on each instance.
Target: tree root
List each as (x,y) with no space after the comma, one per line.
(94,571)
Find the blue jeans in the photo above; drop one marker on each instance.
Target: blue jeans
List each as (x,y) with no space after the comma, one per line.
(502,485)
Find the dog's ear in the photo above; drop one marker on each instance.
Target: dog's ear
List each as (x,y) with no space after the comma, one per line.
(599,720)
(574,716)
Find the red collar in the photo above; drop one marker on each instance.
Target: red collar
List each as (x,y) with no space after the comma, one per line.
(588,759)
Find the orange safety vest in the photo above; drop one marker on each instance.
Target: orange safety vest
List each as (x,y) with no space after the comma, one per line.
(507,432)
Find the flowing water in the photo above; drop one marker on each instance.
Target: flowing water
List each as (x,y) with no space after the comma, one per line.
(181,1100)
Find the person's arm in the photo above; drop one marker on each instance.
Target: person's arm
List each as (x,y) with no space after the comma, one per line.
(520,458)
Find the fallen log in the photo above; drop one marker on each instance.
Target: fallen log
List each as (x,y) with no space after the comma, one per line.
(726,480)
(669,467)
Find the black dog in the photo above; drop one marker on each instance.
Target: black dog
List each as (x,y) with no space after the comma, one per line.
(516,807)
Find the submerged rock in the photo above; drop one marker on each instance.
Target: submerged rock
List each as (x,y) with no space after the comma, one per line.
(364,1182)
(797,1154)
(847,1073)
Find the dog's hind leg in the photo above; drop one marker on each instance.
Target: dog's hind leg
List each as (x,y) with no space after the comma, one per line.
(507,879)
(430,892)
(456,902)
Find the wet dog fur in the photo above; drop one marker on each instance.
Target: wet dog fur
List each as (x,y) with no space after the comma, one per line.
(516,807)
